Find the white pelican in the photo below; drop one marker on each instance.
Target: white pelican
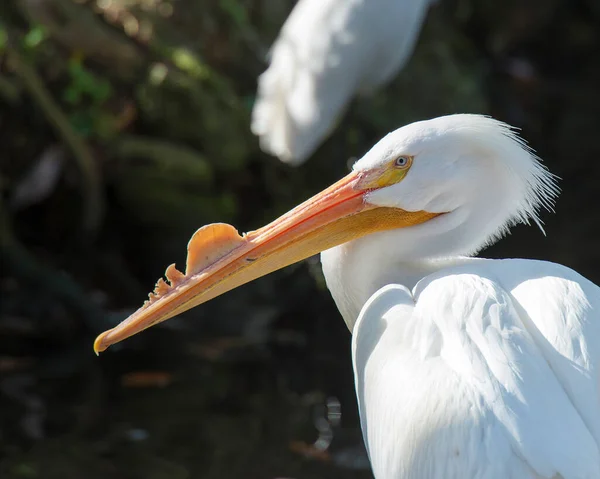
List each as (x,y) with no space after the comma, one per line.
(465,368)
(326,52)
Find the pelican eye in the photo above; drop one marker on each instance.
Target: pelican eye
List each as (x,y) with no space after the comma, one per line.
(403,161)
(392,172)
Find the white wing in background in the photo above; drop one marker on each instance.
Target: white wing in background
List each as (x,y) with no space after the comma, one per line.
(326,52)
(491,375)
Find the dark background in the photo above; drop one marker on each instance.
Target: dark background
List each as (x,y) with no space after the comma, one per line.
(124,126)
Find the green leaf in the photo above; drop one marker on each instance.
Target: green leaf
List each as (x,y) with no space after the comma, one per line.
(34,37)
(187,61)
(236,11)
(72,95)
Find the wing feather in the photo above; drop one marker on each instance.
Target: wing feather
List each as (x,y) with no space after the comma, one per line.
(561,310)
(487,342)
(457,383)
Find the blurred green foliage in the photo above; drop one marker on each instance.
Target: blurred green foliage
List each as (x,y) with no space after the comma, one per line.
(86,93)
(34,37)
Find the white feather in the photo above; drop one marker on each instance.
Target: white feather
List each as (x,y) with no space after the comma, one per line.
(456,380)
(327,51)
(473,155)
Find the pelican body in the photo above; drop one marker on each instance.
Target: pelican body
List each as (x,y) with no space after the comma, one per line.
(465,368)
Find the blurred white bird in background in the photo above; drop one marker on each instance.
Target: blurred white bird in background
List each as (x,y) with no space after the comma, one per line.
(465,368)
(327,52)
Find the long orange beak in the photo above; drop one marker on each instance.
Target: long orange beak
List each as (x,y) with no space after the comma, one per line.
(219,259)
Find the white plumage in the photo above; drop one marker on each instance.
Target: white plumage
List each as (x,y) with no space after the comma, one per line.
(468,368)
(327,51)
(460,378)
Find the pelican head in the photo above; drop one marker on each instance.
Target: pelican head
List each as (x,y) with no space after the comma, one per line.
(473,168)
(440,187)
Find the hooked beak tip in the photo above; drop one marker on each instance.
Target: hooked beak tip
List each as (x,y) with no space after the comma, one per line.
(99,343)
